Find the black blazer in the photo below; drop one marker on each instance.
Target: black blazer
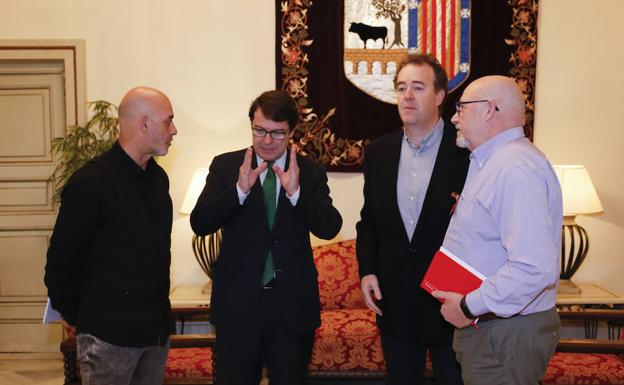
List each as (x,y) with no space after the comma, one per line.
(107,270)
(247,239)
(383,247)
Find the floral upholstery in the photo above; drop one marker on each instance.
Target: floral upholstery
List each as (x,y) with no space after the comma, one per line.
(188,363)
(339,283)
(347,343)
(585,368)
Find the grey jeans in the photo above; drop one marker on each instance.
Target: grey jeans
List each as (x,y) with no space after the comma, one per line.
(102,363)
(512,351)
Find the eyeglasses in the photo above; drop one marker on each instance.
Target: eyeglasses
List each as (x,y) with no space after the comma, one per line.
(261,133)
(459,104)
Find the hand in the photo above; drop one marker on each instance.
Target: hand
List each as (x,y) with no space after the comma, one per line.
(70,329)
(369,283)
(289,179)
(450,309)
(246,176)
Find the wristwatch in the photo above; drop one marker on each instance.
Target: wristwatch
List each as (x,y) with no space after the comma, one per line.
(464,308)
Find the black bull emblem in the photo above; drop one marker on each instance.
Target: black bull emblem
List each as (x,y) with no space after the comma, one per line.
(368,32)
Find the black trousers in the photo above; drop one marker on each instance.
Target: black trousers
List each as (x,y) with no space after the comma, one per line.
(241,354)
(405,361)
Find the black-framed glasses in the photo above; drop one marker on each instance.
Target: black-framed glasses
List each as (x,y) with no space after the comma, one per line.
(275,134)
(459,104)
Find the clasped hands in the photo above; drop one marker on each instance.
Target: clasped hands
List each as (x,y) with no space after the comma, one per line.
(288,179)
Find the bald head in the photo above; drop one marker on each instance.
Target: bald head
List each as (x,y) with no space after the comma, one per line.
(139,101)
(489,105)
(145,123)
(506,95)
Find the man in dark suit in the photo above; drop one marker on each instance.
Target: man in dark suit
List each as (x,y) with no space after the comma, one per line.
(411,181)
(265,301)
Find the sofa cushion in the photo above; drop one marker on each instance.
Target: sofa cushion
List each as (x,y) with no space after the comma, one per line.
(585,368)
(347,343)
(339,282)
(188,363)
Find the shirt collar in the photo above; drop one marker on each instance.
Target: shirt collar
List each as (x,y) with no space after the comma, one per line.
(482,153)
(432,138)
(281,161)
(128,163)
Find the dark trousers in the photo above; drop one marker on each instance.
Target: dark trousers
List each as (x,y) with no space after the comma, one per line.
(405,362)
(270,343)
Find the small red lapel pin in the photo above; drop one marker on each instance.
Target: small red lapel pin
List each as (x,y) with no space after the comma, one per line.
(455,199)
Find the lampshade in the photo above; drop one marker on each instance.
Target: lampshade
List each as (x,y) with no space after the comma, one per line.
(193,191)
(579,194)
(204,254)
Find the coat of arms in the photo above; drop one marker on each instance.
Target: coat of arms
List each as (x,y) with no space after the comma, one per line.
(379,33)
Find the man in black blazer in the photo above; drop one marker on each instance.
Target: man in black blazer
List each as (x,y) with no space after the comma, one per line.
(107,270)
(265,301)
(411,181)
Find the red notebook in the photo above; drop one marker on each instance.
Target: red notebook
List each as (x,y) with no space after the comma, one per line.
(449,273)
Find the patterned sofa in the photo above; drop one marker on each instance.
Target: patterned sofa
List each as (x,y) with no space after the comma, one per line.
(589,361)
(348,345)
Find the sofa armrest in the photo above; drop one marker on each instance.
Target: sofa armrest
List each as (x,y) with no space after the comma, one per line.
(193,340)
(573,345)
(68,345)
(592,314)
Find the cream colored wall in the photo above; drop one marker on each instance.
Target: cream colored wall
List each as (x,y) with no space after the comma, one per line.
(579,116)
(212,58)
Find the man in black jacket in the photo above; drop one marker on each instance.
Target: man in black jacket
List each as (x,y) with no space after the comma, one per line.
(107,270)
(411,181)
(265,301)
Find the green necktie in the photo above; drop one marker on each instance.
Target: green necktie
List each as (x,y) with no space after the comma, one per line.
(269,201)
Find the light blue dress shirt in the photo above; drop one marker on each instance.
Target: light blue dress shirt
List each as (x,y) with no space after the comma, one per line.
(415,168)
(507,225)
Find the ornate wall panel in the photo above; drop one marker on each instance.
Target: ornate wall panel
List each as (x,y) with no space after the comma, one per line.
(320,47)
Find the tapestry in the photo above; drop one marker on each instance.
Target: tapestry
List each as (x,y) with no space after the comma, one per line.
(338,59)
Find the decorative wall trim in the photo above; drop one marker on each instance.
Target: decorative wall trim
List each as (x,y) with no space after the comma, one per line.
(313,135)
(523,35)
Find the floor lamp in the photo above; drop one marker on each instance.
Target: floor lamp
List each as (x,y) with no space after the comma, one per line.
(201,251)
(579,197)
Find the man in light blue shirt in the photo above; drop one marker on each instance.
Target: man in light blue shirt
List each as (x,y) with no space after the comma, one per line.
(411,179)
(507,225)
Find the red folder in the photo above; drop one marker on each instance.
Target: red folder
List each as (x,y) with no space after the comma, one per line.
(449,273)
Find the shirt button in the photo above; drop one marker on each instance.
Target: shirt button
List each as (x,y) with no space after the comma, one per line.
(411,198)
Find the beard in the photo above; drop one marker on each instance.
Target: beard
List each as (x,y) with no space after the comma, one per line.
(461,140)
